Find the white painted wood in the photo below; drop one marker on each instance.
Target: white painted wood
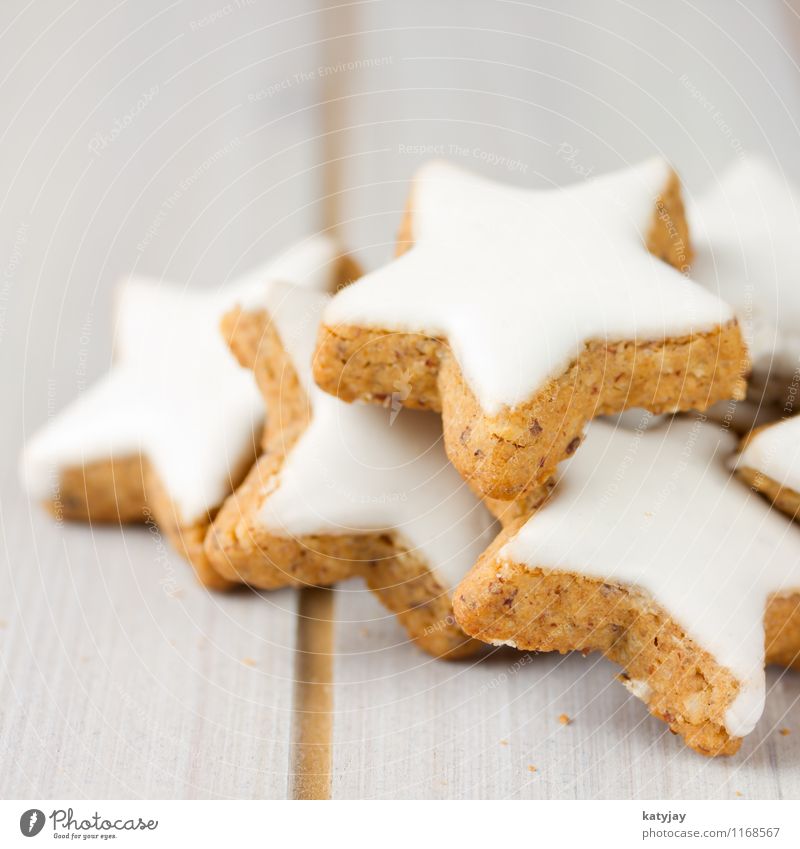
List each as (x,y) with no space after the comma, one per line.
(409,727)
(121,677)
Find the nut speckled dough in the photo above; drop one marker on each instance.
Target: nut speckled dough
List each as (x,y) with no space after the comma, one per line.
(243,548)
(682,685)
(676,571)
(506,451)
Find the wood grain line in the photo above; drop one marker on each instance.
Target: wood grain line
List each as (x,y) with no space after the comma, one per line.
(312,726)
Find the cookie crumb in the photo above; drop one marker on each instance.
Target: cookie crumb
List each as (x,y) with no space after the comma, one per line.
(504,742)
(248,661)
(739,793)
(531,768)
(564,719)
(784,732)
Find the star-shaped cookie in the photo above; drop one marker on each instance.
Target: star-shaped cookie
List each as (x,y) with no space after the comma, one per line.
(176,422)
(522,314)
(345,489)
(769,460)
(746,234)
(651,552)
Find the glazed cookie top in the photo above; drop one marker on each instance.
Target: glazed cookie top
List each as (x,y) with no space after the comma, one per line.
(357,469)
(746,232)
(518,281)
(175,394)
(775,452)
(659,511)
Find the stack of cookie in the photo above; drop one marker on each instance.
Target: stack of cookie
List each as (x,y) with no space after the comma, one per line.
(511,517)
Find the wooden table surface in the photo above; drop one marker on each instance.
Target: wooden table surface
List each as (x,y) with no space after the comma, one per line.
(121,677)
(124,678)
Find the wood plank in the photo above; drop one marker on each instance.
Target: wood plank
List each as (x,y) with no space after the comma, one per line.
(124,678)
(407,726)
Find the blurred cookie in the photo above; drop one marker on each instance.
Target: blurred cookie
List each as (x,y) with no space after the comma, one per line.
(769,460)
(746,233)
(176,423)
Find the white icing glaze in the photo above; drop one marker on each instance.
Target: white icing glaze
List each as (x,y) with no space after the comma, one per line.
(175,393)
(356,469)
(519,280)
(659,511)
(775,452)
(746,233)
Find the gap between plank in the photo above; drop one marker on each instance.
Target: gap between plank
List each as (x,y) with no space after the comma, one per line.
(312,726)
(311,758)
